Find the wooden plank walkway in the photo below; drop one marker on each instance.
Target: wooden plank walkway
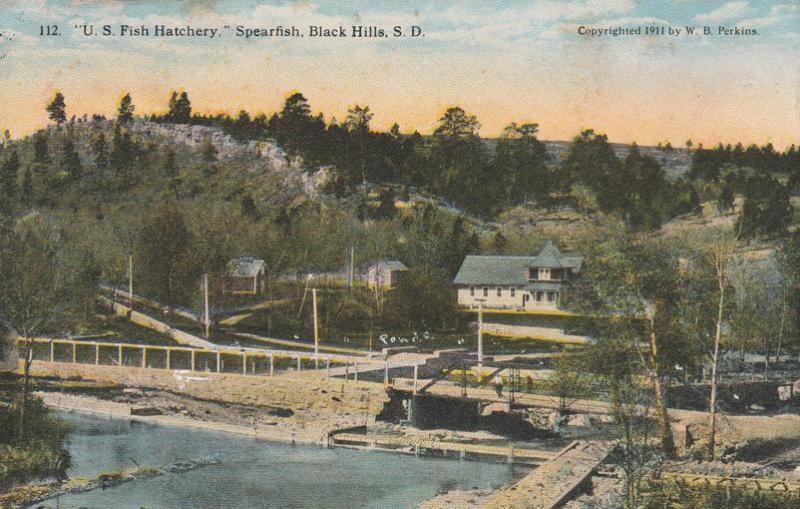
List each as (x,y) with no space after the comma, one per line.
(302,344)
(411,444)
(536,333)
(550,484)
(488,395)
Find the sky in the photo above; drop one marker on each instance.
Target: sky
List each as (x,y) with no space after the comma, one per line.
(501,61)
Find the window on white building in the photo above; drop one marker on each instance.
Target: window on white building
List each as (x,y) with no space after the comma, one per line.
(551,296)
(538,296)
(485,291)
(472,291)
(513,292)
(499,292)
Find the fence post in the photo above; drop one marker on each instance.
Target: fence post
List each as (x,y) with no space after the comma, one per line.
(271,365)
(144,356)
(97,353)
(219,362)
(74,353)
(168,358)
(355,372)
(192,359)
(416,367)
(298,364)
(119,355)
(244,363)
(386,373)
(52,352)
(328,367)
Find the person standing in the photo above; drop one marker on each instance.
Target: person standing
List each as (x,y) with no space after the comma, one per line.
(498,385)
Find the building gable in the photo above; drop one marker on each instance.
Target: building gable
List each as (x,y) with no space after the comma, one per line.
(513,270)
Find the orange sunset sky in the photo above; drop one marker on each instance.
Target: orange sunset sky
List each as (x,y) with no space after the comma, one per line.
(503,62)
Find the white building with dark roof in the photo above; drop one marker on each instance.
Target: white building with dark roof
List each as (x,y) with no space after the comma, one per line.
(517,282)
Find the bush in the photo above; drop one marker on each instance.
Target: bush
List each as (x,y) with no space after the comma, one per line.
(683,496)
(40,452)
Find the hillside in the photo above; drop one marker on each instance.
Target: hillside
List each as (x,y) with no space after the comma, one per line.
(256,181)
(182,200)
(675,161)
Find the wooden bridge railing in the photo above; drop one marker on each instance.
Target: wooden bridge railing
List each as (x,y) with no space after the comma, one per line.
(248,362)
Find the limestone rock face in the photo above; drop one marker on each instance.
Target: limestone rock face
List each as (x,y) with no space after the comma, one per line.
(264,157)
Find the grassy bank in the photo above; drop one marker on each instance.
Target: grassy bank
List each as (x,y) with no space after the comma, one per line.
(33,493)
(37,449)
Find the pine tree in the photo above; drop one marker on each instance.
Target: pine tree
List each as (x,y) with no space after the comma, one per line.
(180,108)
(27,187)
(71,161)
(119,155)
(172,107)
(40,152)
(57,109)
(8,181)
(520,164)
(123,155)
(209,158)
(726,198)
(209,152)
(125,110)
(500,243)
(100,153)
(386,208)
(172,173)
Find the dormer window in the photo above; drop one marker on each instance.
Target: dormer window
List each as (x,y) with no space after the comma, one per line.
(533,274)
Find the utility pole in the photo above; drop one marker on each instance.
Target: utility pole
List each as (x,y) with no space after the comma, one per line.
(206,317)
(480,335)
(130,280)
(352,256)
(316,324)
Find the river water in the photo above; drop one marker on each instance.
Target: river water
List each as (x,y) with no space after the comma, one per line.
(255,474)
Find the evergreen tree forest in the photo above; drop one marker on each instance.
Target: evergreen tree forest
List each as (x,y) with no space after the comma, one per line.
(119,187)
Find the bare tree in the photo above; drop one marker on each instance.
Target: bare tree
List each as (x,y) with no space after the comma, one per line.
(719,256)
(635,431)
(616,361)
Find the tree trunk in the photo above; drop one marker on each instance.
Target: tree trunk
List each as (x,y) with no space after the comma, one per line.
(712,407)
(662,415)
(782,329)
(26,369)
(712,403)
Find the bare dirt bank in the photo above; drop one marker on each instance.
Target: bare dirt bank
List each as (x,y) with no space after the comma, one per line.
(288,407)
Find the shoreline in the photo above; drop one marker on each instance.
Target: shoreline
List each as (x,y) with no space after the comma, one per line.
(92,406)
(28,495)
(89,405)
